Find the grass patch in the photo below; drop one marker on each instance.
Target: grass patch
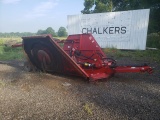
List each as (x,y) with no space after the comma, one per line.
(9,53)
(1,41)
(153,40)
(60,38)
(4,40)
(2,83)
(150,55)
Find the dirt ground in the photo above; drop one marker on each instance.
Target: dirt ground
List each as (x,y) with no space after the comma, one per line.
(35,96)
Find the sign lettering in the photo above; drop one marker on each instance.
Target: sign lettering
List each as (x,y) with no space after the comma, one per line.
(105,30)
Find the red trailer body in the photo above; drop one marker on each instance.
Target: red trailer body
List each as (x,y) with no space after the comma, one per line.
(80,56)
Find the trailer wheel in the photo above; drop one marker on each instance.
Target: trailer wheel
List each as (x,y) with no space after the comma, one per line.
(42,56)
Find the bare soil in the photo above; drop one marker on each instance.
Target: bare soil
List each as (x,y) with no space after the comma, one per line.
(35,95)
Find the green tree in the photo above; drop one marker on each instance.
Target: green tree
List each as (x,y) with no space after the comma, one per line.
(120,5)
(97,6)
(62,32)
(88,4)
(40,32)
(49,30)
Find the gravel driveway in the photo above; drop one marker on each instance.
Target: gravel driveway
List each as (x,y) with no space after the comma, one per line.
(36,96)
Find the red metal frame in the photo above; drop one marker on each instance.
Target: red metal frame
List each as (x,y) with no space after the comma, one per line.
(101,66)
(81,56)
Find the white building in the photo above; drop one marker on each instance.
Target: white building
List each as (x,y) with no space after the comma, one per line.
(121,30)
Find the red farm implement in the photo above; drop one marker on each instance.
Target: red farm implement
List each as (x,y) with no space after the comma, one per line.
(80,56)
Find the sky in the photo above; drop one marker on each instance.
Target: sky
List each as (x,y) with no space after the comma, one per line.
(32,15)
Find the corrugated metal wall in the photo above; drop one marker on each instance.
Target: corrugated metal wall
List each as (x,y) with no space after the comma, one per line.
(122,30)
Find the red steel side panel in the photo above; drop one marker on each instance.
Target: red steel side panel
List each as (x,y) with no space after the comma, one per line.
(84,49)
(61,62)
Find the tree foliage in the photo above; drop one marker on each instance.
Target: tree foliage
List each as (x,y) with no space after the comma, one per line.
(88,4)
(49,30)
(40,32)
(99,6)
(62,32)
(16,34)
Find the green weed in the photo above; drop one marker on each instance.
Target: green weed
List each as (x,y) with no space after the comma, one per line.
(2,83)
(87,109)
